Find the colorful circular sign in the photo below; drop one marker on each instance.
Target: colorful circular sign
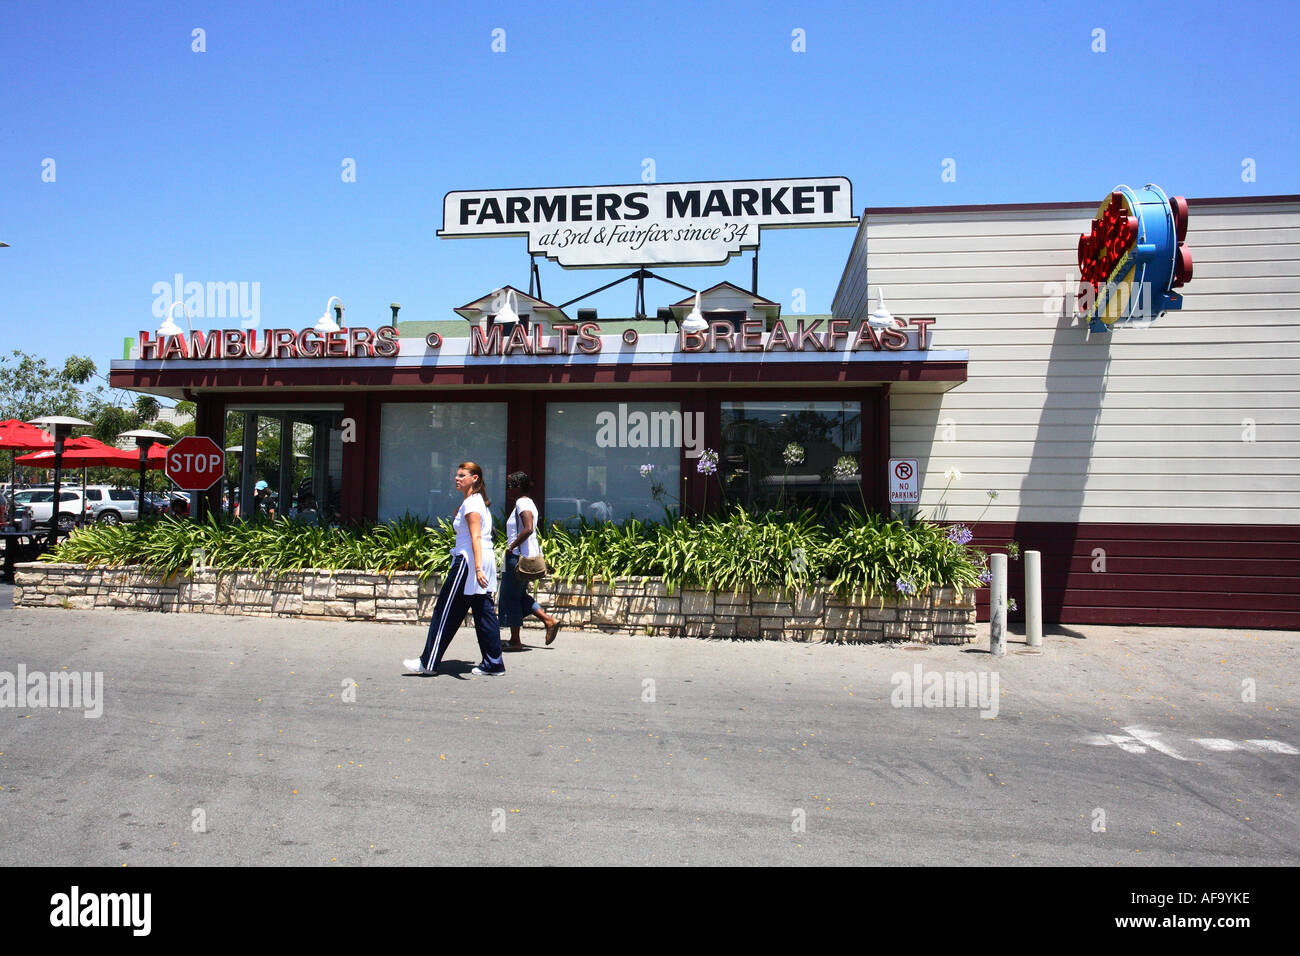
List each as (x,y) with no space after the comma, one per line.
(1133,258)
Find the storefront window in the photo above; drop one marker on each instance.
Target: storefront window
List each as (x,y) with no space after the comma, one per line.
(756,435)
(594,455)
(420,445)
(296,451)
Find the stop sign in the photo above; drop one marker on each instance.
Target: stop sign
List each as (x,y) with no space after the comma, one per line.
(195,463)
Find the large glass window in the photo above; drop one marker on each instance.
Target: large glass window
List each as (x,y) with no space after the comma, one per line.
(420,445)
(595,452)
(295,450)
(755,436)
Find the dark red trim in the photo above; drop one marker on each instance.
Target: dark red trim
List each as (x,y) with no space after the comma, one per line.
(879,497)
(352,501)
(323,377)
(1084,205)
(210,420)
(1156,574)
(368,442)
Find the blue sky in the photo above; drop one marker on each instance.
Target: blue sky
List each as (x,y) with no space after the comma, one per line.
(225,165)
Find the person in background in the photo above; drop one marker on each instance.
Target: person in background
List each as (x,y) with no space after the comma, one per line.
(262,500)
(514,602)
(598,509)
(466,589)
(307,512)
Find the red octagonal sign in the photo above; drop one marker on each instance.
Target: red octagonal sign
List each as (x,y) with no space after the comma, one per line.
(195,463)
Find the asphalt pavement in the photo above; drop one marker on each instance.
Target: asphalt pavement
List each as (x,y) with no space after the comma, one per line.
(228,740)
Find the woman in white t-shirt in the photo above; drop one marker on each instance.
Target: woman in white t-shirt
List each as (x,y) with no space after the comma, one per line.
(471,579)
(514,602)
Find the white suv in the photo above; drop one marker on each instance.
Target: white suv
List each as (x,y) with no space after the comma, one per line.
(110,505)
(40,501)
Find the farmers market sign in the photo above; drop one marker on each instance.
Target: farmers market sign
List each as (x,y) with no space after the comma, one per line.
(667,224)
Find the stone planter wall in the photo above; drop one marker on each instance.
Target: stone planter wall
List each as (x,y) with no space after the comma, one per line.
(627,607)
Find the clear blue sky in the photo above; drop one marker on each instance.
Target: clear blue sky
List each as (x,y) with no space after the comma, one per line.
(226,165)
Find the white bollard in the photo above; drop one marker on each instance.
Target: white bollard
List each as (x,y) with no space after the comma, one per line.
(998,606)
(1033,599)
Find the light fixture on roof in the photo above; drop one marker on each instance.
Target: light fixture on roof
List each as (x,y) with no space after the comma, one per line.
(326,322)
(169,326)
(507,315)
(881,319)
(694,322)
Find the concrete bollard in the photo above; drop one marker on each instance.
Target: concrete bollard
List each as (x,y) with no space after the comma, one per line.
(998,606)
(1033,599)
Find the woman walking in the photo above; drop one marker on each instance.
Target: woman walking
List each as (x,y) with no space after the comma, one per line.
(514,601)
(470,582)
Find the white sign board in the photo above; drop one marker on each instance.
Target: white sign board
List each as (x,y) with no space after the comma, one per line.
(904,481)
(647,223)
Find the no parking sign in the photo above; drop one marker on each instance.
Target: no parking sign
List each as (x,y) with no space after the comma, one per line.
(904,481)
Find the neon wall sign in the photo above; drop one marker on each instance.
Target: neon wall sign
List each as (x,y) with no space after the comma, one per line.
(1133,258)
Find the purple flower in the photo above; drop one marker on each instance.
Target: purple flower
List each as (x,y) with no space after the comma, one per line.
(904,586)
(960,534)
(986,576)
(646,470)
(708,463)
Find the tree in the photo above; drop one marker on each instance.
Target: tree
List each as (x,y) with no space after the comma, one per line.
(31,387)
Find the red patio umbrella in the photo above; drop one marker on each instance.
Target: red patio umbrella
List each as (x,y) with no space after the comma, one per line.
(84,452)
(19,436)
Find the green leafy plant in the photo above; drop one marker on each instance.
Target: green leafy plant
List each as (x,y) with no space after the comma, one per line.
(865,555)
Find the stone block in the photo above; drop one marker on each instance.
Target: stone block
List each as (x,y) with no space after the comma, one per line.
(340,608)
(395,591)
(728,599)
(283,603)
(651,588)
(394,616)
(696,602)
(313,608)
(837,616)
(642,604)
(197,593)
(611,611)
(749,627)
(570,599)
(365,609)
(706,629)
(895,631)
(81,602)
(347,590)
(766,609)
(808,604)
(319,589)
(886,613)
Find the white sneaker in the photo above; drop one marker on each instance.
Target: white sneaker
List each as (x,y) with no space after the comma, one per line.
(415,667)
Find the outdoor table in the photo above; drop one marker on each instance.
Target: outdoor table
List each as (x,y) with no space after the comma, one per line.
(32,542)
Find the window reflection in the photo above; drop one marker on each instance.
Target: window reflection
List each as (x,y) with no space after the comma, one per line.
(755,436)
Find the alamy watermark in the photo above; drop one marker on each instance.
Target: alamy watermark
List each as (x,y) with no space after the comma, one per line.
(950,689)
(211,300)
(659,429)
(59,690)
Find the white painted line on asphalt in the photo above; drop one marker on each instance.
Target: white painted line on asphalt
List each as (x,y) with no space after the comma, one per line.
(1151,739)
(1273,746)
(1137,740)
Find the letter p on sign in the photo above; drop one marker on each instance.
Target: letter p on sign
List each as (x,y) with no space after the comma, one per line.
(195,463)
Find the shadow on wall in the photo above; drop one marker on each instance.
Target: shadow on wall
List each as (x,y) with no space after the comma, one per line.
(1058,470)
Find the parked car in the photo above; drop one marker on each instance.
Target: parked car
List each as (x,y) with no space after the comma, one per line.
(111,505)
(40,501)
